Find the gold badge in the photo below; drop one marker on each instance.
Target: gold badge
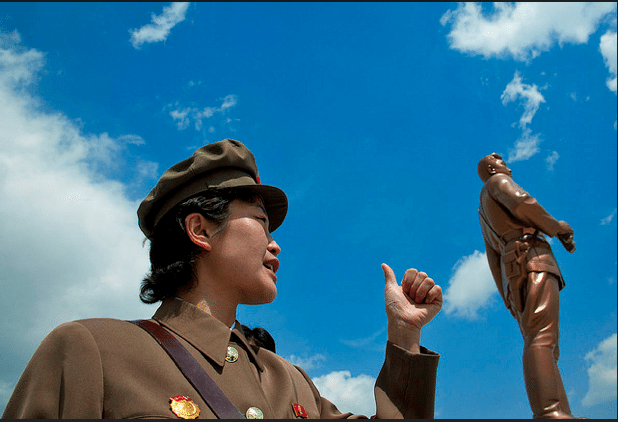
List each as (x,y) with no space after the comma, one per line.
(184,407)
(232,354)
(254,413)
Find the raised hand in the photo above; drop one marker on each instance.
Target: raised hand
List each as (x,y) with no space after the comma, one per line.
(409,306)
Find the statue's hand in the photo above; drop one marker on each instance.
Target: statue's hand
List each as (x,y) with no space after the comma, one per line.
(565,228)
(409,306)
(565,235)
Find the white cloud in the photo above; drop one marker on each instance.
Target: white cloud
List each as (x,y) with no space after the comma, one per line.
(70,245)
(602,373)
(522,30)
(470,288)
(551,159)
(525,147)
(307,362)
(605,221)
(18,65)
(228,102)
(132,139)
(530,98)
(608,50)
(161,25)
(364,343)
(147,169)
(348,393)
(184,116)
(181,116)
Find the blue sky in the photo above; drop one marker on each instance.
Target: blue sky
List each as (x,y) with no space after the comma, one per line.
(372,118)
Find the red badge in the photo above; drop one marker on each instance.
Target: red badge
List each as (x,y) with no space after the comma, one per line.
(257,179)
(299,411)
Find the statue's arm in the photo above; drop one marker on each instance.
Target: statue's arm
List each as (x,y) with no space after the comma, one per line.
(522,205)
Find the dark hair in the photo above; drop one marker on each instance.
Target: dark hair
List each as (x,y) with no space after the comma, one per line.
(260,337)
(172,253)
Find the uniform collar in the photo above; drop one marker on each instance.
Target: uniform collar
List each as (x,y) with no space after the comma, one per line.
(203,331)
(239,335)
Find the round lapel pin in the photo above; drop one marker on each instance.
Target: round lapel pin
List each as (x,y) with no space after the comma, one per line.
(231,355)
(254,413)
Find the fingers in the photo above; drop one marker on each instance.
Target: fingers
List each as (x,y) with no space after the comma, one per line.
(419,287)
(434,294)
(415,284)
(408,279)
(565,227)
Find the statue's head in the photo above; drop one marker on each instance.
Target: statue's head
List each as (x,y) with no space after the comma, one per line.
(492,164)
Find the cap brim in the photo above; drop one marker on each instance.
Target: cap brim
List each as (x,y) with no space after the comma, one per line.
(275,202)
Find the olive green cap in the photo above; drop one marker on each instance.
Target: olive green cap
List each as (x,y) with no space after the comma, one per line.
(224,164)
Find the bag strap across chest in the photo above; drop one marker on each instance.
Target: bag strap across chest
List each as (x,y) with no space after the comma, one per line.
(191,369)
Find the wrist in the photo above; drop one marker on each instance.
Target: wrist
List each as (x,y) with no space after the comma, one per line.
(406,336)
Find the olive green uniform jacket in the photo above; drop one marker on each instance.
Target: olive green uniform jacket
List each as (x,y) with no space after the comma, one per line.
(112,369)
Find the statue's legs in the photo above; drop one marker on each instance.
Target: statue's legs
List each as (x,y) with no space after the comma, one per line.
(539,327)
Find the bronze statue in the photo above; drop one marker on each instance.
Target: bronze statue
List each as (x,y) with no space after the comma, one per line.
(528,278)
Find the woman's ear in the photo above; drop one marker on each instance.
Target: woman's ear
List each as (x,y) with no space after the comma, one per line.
(197,228)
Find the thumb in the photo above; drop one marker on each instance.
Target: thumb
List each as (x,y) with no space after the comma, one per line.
(389,275)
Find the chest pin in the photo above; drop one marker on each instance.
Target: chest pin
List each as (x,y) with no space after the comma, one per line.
(231,355)
(184,407)
(254,413)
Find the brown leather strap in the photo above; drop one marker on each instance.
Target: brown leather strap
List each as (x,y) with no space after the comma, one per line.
(197,376)
(518,233)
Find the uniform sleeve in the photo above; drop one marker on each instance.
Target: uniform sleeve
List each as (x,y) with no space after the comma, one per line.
(522,205)
(64,378)
(405,388)
(406,385)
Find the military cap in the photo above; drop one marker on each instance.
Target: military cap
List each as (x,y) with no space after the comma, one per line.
(224,164)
